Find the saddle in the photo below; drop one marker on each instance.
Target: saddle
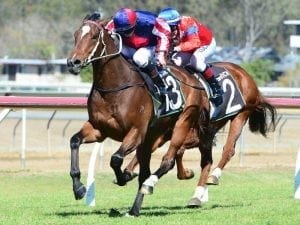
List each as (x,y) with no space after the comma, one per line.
(173,100)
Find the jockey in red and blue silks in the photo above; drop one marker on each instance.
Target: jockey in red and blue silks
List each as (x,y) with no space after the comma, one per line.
(192,42)
(139,43)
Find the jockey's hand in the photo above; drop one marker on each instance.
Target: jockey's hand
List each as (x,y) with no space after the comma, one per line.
(161,59)
(177,49)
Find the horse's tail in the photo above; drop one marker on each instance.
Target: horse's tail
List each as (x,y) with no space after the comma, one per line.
(263,118)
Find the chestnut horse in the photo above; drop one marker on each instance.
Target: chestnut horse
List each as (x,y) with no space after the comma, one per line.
(121,108)
(257,109)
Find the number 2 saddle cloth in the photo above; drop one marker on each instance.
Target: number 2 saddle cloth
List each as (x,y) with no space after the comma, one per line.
(233,100)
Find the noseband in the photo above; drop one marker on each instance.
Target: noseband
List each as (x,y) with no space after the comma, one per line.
(103,53)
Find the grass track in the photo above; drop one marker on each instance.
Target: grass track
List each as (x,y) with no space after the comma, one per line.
(244,197)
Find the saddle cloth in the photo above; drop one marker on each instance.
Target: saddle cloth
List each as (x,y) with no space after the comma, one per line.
(233,100)
(173,99)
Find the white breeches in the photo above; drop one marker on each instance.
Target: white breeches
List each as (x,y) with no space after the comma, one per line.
(140,56)
(195,59)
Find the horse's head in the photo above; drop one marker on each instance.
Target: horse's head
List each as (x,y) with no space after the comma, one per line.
(91,41)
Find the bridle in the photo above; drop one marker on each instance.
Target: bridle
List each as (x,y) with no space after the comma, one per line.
(103,53)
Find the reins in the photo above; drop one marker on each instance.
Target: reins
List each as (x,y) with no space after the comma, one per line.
(181,81)
(170,53)
(120,88)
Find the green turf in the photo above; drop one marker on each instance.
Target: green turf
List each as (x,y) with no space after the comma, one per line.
(243,197)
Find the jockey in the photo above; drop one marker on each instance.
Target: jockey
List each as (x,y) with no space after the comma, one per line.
(139,44)
(192,42)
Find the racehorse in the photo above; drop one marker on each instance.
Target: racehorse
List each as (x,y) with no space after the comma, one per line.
(120,107)
(256,112)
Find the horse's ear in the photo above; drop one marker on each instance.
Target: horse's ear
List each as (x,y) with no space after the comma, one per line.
(95,16)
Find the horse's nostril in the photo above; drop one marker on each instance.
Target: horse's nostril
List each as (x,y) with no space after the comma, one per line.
(77,62)
(74,62)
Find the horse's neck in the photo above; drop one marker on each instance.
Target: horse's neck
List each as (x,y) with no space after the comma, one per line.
(113,72)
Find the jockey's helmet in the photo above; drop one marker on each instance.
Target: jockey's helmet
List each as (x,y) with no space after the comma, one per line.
(171,15)
(124,20)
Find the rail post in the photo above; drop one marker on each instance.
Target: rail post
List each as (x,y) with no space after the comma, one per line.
(297,176)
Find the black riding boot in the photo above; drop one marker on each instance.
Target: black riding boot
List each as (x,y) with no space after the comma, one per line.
(157,80)
(217,91)
(159,83)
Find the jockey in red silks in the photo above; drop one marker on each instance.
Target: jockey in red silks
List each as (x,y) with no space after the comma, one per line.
(192,42)
(139,43)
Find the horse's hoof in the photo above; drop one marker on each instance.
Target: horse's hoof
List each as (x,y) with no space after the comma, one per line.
(120,182)
(212,180)
(128,176)
(114,213)
(80,192)
(189,174)
(146,190)
(194,203)
(129,215)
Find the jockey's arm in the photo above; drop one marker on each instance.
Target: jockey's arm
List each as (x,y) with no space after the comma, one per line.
(190,41)
(163,33)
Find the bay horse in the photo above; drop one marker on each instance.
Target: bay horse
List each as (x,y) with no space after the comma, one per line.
(120,107)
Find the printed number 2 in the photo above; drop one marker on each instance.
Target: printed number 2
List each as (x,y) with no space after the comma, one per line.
(230,108)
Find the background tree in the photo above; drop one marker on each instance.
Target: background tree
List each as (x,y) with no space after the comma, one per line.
(260,70)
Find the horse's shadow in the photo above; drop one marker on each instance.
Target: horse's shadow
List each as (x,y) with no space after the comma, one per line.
(147,211)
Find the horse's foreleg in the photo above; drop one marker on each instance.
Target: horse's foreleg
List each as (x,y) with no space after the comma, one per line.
(78,188)
(130,143)
(129,173)
(143,157)
(86,134)
(235,129)
(201,191)
(116,162)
